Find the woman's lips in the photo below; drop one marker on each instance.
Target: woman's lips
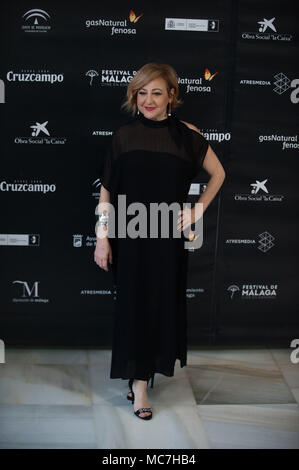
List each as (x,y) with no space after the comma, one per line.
(149,109)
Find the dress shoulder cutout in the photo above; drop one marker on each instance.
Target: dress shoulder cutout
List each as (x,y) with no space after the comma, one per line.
(191,126)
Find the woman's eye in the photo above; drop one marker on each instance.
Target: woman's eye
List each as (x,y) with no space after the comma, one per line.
(143,93)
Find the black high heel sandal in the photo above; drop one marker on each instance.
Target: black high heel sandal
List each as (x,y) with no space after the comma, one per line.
(140,410)
(131,383)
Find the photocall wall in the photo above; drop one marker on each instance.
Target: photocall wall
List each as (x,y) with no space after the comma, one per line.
(63,75)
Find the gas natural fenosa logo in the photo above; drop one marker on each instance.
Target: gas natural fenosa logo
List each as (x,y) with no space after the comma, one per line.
(117,26)
(197,85)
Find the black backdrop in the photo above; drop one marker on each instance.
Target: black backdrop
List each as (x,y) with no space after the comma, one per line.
(64,71)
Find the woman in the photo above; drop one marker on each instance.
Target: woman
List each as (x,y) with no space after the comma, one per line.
(153,158)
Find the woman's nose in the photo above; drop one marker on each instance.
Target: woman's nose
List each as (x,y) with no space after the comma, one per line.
(148,100)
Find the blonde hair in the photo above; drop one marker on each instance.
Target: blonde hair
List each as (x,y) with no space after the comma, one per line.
(147,73)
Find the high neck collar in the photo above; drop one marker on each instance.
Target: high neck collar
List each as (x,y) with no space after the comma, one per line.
(153,123)
(180,133)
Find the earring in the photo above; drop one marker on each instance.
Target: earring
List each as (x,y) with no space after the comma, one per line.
(169,112)
(138,111)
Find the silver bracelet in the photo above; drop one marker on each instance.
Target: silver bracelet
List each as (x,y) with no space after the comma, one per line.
(103,219)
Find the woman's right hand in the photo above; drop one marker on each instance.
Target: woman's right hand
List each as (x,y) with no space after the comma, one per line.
(103,253)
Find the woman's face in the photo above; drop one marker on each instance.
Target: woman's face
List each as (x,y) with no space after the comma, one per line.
(152,99)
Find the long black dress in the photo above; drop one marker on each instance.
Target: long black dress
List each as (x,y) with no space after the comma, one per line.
(150,161)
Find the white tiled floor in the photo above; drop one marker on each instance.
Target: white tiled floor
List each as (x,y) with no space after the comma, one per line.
(224,398)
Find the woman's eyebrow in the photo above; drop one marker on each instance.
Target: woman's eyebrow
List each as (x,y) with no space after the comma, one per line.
(153,89)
